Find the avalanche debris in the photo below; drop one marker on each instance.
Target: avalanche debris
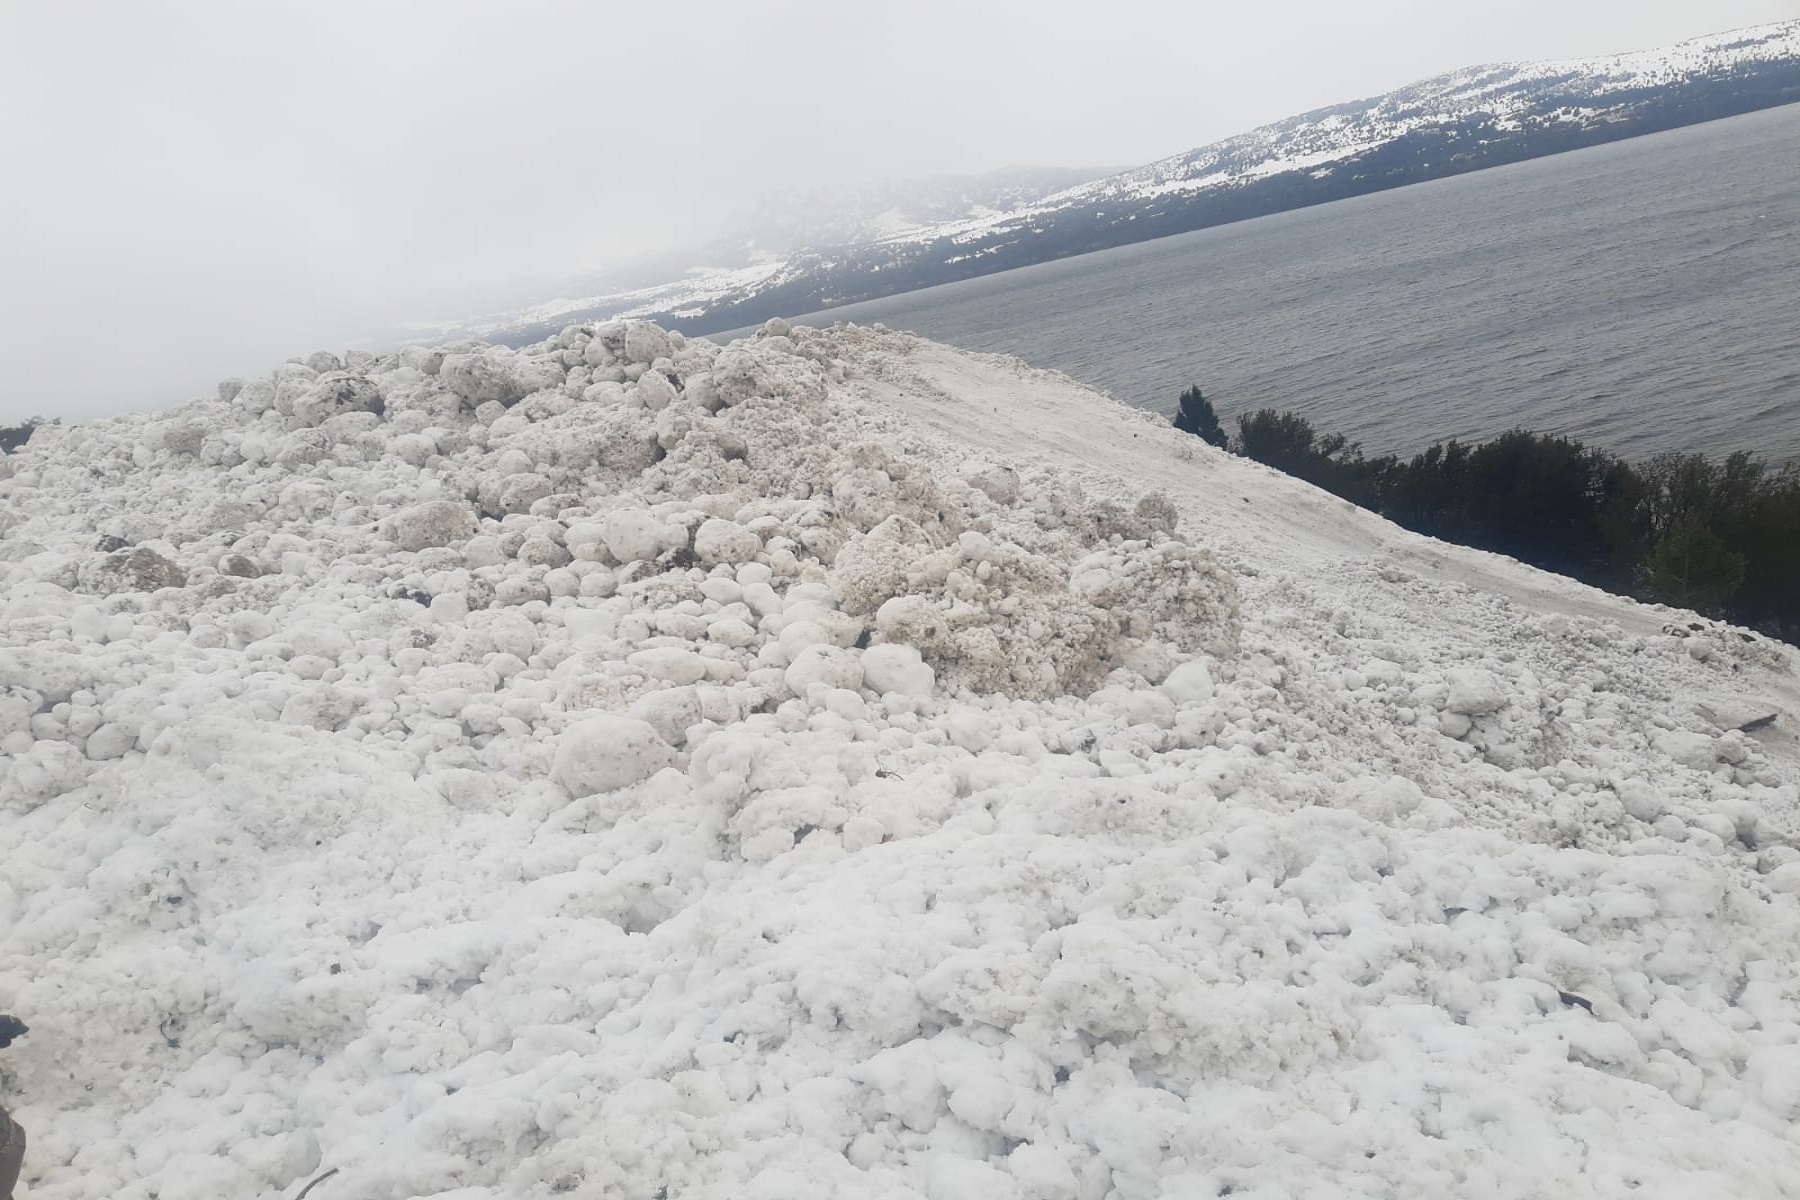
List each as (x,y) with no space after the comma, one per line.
(633,767)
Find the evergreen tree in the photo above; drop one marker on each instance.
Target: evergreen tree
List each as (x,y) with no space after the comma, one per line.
(1197,417)
(1691,567)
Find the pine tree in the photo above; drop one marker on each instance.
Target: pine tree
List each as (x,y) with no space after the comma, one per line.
(1692,567)
(1198,418)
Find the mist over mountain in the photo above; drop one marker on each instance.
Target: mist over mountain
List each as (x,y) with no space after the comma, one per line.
(817,219)
(811,251)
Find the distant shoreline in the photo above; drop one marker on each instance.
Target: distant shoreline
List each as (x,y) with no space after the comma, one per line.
(1422,155)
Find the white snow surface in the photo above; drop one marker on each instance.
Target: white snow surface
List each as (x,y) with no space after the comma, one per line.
(842,766)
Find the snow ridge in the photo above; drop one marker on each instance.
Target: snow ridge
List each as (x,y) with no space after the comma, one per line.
(1504,90)
(834,765)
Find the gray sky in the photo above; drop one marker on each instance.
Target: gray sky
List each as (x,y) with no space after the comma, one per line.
(202,189)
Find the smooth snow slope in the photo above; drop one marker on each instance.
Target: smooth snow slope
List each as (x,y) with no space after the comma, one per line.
(836,766)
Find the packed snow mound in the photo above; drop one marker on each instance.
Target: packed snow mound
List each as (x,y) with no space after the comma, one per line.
(834,765)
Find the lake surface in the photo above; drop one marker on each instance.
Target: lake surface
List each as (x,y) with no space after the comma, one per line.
(1643,296)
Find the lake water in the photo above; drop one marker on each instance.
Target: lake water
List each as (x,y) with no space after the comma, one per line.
(1643,296)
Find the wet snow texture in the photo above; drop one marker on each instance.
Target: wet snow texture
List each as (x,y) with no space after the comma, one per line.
(837,766)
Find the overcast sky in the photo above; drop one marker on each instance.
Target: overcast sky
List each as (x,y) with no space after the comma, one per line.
(201,189)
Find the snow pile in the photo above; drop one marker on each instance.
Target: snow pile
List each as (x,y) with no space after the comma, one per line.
(834,765)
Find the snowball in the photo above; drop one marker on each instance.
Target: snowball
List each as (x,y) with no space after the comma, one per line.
(1001,484)
(139,570)
(519,492)
(1474,693)
(762,599)
(832,666)
(655,391)
(730,631)
(481,378)
(1695,750)
(721,541)
(324,707)
(52,674)
(108,742)
(1776,1072)
(1043,1173)
(1189,683)
(669,663)
(897,667)
(434,523)
(722,591)
(645,343)
(872,568)
(337,393)
(1640,799)
(604,753)
(670,712)
(632,534)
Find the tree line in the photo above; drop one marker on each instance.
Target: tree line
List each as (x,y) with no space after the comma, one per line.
(1721,536)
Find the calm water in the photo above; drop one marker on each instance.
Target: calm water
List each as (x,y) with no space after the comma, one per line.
(1641,296)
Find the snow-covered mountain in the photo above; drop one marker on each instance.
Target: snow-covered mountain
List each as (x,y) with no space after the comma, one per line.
(837,766)
(799,221)
(1462,121)
(760,242)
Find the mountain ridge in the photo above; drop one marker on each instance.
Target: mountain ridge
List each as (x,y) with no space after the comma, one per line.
(1460,121)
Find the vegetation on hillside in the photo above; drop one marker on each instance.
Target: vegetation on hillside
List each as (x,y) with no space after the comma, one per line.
(14,436)
(1715,535)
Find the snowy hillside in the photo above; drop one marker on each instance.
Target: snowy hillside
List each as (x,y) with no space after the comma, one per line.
(839,766)
(1507,94)
(800,219)
(1463,120)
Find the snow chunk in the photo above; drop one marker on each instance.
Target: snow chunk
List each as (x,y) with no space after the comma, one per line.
(645,342)
(1000,484)
(897,667)
(335,394)
(670,664)
(632,534)
(741,373)
(871,569)
(1695,750)
(826,664)
(721,541)
(604,753)
(1474,693)
(654,391)
(1170,592)
(480,378)
(1189,683)
(138,570)
(434,523)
